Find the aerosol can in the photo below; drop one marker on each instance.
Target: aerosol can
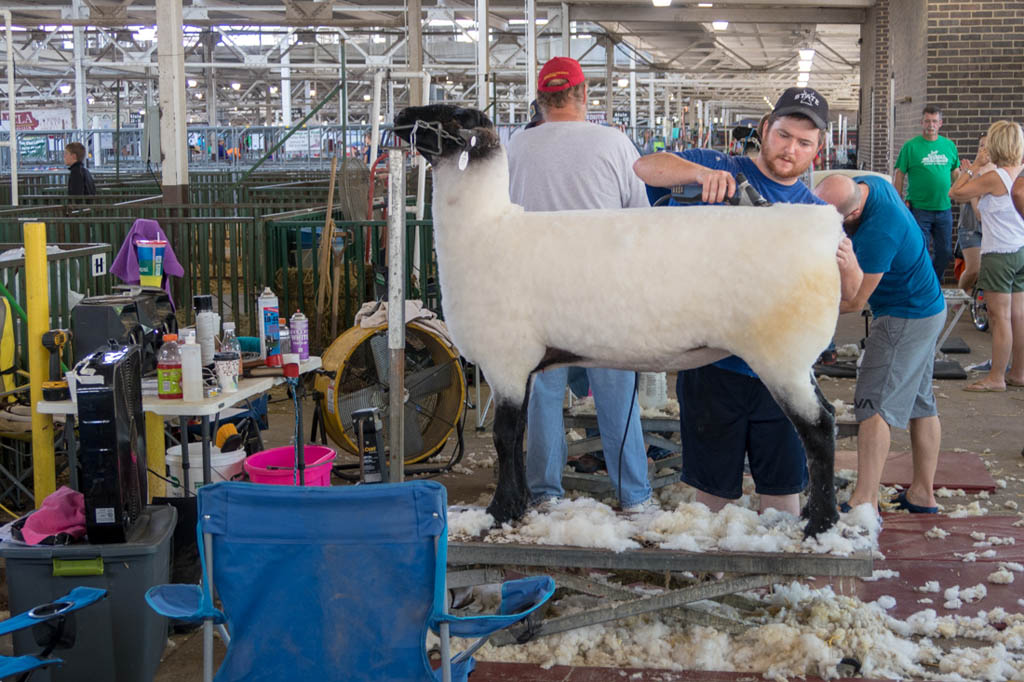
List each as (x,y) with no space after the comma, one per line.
(270,341)
(369,432)
(300,335)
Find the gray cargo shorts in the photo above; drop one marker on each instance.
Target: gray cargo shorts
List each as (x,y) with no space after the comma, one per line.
(895,374)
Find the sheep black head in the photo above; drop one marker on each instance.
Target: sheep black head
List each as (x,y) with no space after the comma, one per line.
(441,131)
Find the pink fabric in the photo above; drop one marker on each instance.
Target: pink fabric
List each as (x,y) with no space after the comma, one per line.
(63,511)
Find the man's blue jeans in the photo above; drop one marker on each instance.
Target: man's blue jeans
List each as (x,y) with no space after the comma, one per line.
(938,233)
(546,449)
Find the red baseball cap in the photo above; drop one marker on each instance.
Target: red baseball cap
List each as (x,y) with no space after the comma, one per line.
(560,68)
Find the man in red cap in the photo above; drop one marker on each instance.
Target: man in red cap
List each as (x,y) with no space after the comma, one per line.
(569,164)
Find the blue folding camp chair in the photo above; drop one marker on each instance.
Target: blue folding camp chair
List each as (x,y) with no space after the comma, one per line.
(331,583)
(54,630)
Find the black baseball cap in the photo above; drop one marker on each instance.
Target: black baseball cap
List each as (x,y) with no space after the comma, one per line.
(806,102)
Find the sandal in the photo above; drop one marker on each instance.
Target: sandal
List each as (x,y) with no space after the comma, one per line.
(979,387)
(901,502)
(1015,384)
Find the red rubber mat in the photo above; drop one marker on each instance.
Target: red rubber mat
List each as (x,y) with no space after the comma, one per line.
(963,470)
(948,573)
(903,538)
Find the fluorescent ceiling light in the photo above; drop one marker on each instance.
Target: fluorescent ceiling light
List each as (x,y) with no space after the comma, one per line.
(623,82)
(366,98)
(192,82)
(804,75)
(236,86)
(801,83)
(804,65)
(65,88)
(807,53)
(273,89)
(705,4)
(312,93)
(145,35)
(199,95)
(595,102)
(719,25)
(661,3)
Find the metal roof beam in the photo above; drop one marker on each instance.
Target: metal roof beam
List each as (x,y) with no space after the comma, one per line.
(781,15)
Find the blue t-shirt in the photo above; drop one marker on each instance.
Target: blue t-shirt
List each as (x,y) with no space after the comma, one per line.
(889,241)
(797,193)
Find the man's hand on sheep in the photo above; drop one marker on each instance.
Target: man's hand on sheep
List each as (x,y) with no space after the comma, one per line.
(850,274)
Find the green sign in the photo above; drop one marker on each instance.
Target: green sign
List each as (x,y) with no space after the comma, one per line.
(32,147)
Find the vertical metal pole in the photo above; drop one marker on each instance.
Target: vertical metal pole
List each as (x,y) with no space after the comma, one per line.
(172,93)
(156,455)
(378,80)
(12,136)
(117,133)
(531,51)
(186,456)
(286,81)
(632,97)
(650,105)
(78,36)
(208,623)
(609,82)
(566,36)
(482,55)
(396,314)
(38,305)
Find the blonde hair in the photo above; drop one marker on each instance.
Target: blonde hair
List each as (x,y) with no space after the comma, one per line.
(1005,143)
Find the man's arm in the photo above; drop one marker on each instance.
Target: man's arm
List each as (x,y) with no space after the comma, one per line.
(897,181)
(667,170)
(850,274)
(867,287)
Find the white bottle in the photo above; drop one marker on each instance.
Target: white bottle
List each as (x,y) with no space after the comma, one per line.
(191,372)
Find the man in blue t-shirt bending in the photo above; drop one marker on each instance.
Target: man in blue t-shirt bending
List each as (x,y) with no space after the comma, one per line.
(894,382)
(726,412)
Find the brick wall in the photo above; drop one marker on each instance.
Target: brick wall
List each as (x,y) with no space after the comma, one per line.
(873,142)
(975,66)
(908,23)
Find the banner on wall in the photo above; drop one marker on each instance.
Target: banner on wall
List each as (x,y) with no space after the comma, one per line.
(38,119)
(32,147)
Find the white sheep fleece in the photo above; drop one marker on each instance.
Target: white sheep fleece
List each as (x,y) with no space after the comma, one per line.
(646,289)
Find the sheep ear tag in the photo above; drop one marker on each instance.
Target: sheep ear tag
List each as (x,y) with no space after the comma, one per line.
(463,160)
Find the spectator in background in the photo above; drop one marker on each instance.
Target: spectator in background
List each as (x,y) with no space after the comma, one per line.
(929,163)
(969,230)
(80,182)
(1002,250)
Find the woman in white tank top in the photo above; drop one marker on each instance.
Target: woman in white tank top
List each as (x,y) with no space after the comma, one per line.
(1002,250)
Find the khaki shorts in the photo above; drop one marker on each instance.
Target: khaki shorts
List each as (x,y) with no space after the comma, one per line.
(1002,273)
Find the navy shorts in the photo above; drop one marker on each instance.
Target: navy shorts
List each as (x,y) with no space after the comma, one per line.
(726,417)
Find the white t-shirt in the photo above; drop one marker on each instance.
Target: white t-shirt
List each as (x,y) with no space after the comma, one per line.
(560,166)
(1003,228)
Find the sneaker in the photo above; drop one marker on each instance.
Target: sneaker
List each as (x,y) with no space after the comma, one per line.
(980,367)
(640,507)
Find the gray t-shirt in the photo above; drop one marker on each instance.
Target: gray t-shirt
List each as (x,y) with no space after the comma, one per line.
(571,165)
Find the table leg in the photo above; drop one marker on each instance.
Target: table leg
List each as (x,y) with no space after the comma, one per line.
(205,435)
(183,441)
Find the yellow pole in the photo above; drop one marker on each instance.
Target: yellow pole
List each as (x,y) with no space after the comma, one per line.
(155,454)
(38,310)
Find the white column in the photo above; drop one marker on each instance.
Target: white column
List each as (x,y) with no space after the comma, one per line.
(632,96)
(414,47)
(650,106)
(482,55)
(531,51)
(609,83)
(666,118)
(173,133)
(566,37)
(78,35)
(286,81)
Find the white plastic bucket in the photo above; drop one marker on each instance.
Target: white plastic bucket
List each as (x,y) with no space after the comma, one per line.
(223,465)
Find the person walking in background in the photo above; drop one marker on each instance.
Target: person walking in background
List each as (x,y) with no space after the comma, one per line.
(929,164)
(1002,250)
(80,182)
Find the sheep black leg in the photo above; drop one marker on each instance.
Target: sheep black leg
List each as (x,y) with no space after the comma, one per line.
(819,441)
(511,496)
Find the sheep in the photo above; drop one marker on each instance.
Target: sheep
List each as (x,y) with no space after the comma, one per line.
(523,291)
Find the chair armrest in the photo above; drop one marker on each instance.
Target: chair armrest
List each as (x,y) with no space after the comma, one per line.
(519,598)
(183,603)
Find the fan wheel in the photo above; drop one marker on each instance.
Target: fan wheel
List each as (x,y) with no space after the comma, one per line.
(435,387)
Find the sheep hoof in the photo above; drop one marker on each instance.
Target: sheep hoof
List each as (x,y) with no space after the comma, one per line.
(818,521)
(507,508)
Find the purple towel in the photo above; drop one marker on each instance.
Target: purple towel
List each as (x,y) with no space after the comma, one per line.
(126,264)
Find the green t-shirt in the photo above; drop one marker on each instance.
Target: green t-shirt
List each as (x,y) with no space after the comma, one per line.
(928,166)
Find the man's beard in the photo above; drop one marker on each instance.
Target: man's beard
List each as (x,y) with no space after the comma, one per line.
(792,172)
(851,225)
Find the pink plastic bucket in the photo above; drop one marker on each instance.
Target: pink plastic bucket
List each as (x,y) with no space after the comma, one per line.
(277,465)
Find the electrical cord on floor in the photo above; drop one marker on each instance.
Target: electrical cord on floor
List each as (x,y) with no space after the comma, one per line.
(625,432)
(176,484)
